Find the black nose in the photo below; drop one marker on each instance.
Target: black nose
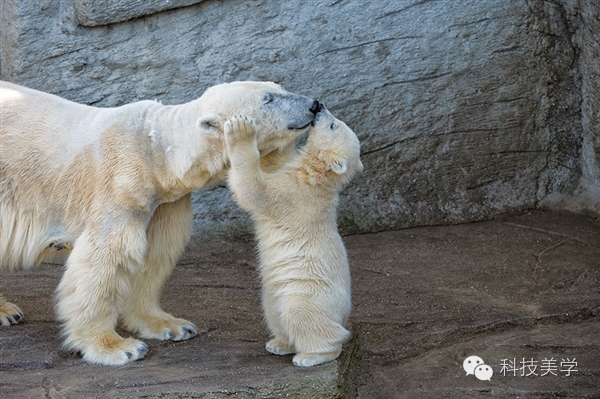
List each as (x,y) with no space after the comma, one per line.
(316,107)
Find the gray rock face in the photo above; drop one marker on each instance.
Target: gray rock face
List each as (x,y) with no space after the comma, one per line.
(93,13)
(465,109)
(589,29)
(583,20)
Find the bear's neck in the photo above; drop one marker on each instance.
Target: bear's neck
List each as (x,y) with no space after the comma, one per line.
(191,159)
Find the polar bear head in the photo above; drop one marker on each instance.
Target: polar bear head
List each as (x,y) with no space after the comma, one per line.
(333,150)
(280,116)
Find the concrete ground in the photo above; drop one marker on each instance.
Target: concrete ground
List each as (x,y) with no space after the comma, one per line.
(522,292)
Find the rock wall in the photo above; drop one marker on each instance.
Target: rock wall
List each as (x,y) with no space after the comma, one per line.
(465,109)
(583,20)
(590,71)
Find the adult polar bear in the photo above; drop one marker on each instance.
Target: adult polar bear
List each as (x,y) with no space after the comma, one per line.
(113,186)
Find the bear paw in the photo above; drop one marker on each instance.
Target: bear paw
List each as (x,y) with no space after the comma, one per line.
(111,350)
(278,347)
(312,359)
(163,327)
(9,313)
(239,129)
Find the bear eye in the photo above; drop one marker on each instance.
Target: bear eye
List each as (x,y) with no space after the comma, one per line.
(332,126)
(268,98)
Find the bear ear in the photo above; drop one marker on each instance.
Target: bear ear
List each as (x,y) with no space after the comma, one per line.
(339,166)
(209,124)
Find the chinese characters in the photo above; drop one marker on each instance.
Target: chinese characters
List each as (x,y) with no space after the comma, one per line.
(531,367)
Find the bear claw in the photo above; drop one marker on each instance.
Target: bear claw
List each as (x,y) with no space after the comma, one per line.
(190,330)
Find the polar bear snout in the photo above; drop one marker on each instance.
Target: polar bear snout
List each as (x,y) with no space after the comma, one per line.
(308,118)
(300,110)
(316,107)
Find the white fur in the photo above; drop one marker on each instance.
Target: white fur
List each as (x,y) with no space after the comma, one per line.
(303,262)
(110,187)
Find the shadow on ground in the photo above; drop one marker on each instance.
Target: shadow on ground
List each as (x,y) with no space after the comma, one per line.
(522,292)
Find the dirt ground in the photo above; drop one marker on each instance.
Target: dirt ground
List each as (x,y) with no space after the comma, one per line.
(521,292)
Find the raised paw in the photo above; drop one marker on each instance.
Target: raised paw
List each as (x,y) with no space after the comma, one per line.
(163,327)
(312,359)
(9,313)
(112,350)
(239,129)
(279,347)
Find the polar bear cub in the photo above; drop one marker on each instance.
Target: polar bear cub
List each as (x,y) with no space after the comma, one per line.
(303,262)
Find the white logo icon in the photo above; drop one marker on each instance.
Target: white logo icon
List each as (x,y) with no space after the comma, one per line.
(470,363)
(475,365)
(483,372)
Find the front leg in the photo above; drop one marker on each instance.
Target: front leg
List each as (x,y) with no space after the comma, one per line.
(246,179)
(168,233)
(240,137)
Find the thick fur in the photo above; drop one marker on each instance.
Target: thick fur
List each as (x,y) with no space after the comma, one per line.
(110,188)
(303,262)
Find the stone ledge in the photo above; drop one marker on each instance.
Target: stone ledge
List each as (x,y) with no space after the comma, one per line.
(523,286)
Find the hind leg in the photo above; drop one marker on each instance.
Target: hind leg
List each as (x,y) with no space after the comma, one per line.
(98,276)
(9,313)
(168,234)
(315,333)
